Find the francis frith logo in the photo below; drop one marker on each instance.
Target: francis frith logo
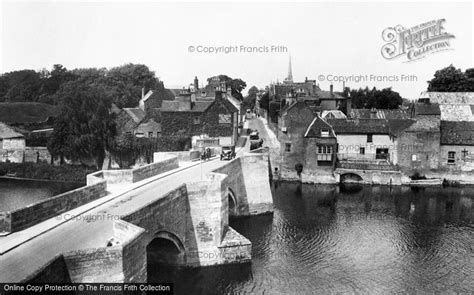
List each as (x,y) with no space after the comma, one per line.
(416,42)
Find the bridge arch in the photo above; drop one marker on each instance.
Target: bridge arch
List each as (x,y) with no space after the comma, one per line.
(233,205)
(165,248)
(350,178)
(166,235)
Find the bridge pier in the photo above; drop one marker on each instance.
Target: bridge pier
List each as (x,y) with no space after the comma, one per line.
(193,217)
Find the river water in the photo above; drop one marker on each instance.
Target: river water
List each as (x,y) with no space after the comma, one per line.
(15,193)
(349,239)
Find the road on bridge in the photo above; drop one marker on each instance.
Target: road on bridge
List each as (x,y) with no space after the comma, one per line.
(77,233)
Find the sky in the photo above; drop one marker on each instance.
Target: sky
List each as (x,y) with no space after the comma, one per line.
(326,40)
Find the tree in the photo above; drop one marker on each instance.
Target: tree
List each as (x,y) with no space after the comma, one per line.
(85,127)
(250,99)
(127,82)
(236,85)
(19,86)
(374,98)
(265,101)
(451,79)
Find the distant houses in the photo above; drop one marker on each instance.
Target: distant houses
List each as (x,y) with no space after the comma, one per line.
(435,133)
(210,114)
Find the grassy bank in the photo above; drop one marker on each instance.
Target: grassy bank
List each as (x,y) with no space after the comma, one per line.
(46,171)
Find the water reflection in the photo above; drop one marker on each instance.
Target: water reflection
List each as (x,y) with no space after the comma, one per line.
(16,193)
(330,239)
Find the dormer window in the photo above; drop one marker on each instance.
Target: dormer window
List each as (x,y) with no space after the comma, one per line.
(324,132)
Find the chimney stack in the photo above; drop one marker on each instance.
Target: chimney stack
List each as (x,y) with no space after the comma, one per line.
(218,95)
(331,89)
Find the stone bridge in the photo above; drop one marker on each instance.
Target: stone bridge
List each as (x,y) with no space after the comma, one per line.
(178,218)
(382,177)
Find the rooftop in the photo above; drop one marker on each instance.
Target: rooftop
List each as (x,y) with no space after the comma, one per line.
(378,114)
(318,124)
(8,132)
(136,114)
(457,133)
(449,97)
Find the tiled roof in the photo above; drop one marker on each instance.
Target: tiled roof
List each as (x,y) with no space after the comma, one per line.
(456,112)
(359,126)
(150,124)
(369,126)
(201,106)
(321,94)
(427,109)
(333,114)
(136,114)
(8,132)
(378,114)
(449,97)
(425,123)
(457,133)
(397,126)
(230,106)
(181,106)
(314,129)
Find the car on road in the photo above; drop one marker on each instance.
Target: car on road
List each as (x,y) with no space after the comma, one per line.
(254,135)
(228,152)
(248,114)
(255,140)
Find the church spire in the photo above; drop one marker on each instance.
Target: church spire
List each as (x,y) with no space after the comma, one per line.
(289,78)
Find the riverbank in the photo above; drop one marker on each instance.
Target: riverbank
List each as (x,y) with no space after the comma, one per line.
(43,171)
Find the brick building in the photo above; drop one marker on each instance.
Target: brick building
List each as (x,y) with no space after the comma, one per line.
(292,126)
(457,146)
(419,144)
(143,121)
(216,118)
(320,146)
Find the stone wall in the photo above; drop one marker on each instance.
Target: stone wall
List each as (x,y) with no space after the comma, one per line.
(248,178)
(162,164)
(32,214)
(184,156)
(426,148)
(53,272)
(208,219)
(373,176)
(37,154)
(162,216)
(153,169)
(14,156)
(461,163)
(95,265)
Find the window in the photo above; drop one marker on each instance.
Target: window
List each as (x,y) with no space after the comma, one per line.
(224,119)
(324,153)
(324,132)
(150,134)
(197,120)
(287,147)
(324,149)
(451,158)
(369,137)
(362,150)
(464,154)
